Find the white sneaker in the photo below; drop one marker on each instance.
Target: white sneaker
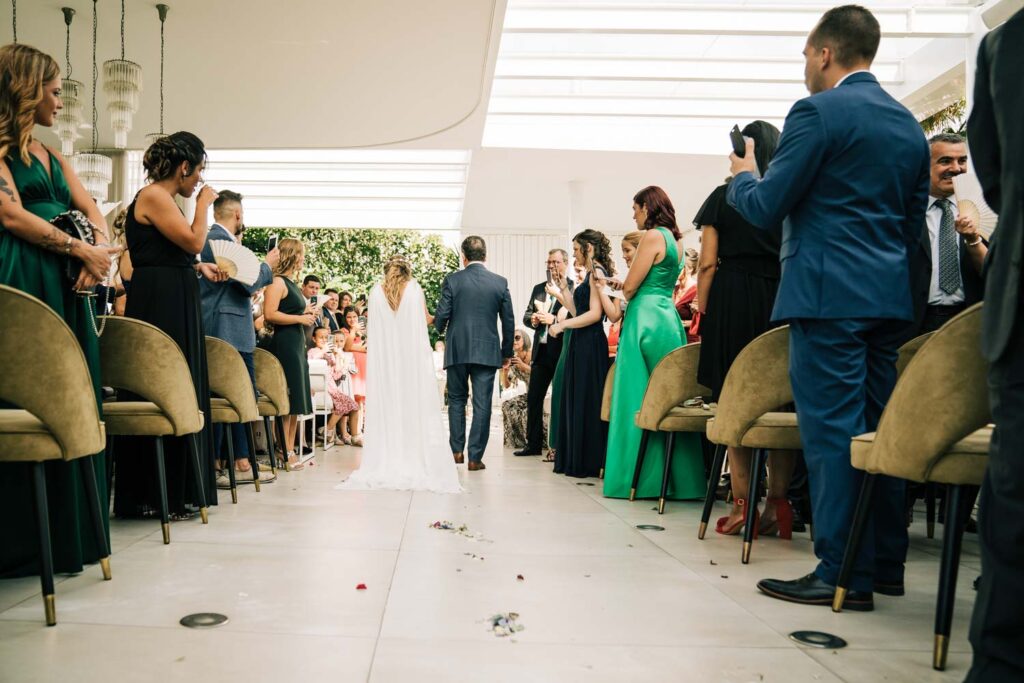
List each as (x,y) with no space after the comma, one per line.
(357,440)
(223,482)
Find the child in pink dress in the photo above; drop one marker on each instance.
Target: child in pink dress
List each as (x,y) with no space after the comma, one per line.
(340,366)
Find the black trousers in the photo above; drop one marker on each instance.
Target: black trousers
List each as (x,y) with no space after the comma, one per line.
(937,316)
(997,628)
(542,371)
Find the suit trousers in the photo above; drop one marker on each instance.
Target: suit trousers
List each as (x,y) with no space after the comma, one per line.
(843,372)
(459,377)
(997,628)
(542,371)
(238,435)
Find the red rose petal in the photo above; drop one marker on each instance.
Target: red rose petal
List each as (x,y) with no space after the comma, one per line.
(361,587)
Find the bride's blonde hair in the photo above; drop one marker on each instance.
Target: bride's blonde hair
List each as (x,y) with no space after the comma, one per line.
(397,272)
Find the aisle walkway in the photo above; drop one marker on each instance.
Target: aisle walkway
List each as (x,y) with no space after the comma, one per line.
(600,600)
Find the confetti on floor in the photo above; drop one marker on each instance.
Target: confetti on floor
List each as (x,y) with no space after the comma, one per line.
(505,624)
(459,529)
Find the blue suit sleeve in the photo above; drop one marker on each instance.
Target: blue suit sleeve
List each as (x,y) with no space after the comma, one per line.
(444,307)
(801,151)
(982,131)
(508,325)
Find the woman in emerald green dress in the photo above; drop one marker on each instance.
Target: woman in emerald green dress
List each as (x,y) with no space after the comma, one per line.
(650,330)
(37,184)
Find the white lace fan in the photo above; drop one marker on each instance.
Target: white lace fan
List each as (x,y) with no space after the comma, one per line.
(235,260)
(971,202)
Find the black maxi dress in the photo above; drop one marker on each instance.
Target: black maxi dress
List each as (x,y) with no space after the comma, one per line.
(289,346)
(165,293)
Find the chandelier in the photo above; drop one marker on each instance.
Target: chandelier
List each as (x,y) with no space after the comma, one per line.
(69,119)
(122,84)
(94,170)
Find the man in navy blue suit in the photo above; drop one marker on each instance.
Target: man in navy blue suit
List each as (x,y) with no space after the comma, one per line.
(849,181)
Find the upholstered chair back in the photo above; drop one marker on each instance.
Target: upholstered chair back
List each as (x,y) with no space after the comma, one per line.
(673,381)
(229,378)
(606,401)
(757,383)
(45,373)
(270,379)
(908,350)
(142,359)
(941,398)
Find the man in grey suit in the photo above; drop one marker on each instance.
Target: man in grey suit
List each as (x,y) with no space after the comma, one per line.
(227,314)
(473,301)
(996,136)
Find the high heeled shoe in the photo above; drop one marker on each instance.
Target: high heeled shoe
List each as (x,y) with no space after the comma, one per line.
(783,522)
(723,527)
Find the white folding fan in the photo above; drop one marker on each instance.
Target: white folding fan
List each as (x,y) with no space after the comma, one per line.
(235,260)
(971,202)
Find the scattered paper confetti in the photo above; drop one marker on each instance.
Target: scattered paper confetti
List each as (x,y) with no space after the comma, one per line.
(473,556)
(713,563)
(506,624)
(725,576)
(520,577)
(361,587)
(459,529)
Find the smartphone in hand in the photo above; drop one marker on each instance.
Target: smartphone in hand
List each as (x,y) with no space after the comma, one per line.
(739,144)
(272,243)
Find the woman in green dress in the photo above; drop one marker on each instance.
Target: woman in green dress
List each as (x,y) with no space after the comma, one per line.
(286,309)
(37,184)
(650,330)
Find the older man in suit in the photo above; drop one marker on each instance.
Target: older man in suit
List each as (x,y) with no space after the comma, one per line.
(227,314)
(473,302)
(849,182)
(997,146)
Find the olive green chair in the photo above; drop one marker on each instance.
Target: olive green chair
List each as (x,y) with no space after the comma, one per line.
(45,429)
(756,387)
(934,429)
(273,397)
(606,406)
(907,352)
(142,359)
(233,401)
(673,381)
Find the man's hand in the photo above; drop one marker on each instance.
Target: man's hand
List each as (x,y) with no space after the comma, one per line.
(535,319)
(968,228)
(273,258)
(746,164)
(212,272)
(545,318)
(506,363)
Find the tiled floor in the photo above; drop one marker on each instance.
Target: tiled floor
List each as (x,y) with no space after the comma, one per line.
(601,601)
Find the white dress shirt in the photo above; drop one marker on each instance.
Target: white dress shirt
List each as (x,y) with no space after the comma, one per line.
(933,217)
(840,81)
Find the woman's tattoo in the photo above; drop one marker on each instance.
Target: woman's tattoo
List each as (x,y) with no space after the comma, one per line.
(6,189)
(54,240)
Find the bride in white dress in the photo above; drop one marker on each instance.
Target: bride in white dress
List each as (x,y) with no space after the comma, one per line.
(405,446)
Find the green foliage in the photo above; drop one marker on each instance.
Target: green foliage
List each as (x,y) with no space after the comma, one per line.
(353,260)
(951,119)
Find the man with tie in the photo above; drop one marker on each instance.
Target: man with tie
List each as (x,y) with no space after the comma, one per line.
(849,183)
(545,352)
(945,267)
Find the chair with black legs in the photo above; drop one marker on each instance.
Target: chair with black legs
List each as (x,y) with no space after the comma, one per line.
(672,382)
(43,429)
(273,397)
(933,430)
(749,415)
(142,359)
(907,352)
(233,401)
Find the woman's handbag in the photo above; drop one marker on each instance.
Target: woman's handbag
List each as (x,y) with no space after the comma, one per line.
(75,224)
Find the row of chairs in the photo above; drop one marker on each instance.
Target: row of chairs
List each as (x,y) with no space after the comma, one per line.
(137,358)
(942,384)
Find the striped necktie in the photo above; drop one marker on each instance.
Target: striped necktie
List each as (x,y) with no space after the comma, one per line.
(949,256)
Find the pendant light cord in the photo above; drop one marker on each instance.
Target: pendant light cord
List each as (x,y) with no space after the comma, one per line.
(122,30)
(162,75)
(14,18)
(67,49)
(95,77)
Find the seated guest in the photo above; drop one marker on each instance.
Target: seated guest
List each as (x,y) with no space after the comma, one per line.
(227,309)
(686,292)
(345,300)
(946,263)
(514,410)
(351,433)
(329,313)
(341,404)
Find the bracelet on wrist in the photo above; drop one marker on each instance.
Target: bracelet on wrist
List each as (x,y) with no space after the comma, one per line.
(67,246)
(974,243)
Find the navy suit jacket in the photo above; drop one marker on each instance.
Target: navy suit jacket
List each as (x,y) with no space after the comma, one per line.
(473,301)
(849,183)
(227,309)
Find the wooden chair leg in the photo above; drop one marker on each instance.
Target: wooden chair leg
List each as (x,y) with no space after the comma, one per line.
(640,455)
(92,495)
(45,549)
(709,498)
(270,443)
(197,469)
(231,464)
(929,506)
(750,526)
(161,480)
(247,427)
(860,518)
(952,535)
(670,438)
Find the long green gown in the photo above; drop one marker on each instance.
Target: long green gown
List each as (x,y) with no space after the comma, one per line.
(650,330)
(557,383)
(38,272)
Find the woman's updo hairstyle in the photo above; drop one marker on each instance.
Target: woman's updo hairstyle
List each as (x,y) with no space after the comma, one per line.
(164,156)
(602,249)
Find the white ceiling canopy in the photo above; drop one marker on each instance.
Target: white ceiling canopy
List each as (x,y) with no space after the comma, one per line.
(395,188)
(674,76)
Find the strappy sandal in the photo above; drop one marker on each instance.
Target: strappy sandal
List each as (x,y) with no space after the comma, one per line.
(549,457)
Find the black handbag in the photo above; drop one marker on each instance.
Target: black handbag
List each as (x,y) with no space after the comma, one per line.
(75,224)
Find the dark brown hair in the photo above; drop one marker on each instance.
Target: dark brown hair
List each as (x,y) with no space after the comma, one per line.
(851,32)
(164,156)
(660,212)
(602,248)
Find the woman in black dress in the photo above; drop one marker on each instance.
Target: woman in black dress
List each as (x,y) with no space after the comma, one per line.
(165,293)
(286,309)
(582,437)
(737,282)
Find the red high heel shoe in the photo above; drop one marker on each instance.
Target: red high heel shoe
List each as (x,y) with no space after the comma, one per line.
(723,527)
(783,522)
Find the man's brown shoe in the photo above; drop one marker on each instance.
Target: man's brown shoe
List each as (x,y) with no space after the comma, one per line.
(473,466)
(459,459)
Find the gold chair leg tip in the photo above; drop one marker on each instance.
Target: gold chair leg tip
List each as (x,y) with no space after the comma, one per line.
(166,528)
(746,552)
(632,495)
(50,602)
(105,566)
(940,652)
(234,496)
(702,530)
(257,483)
(661,506)
(204,515)
(838,599)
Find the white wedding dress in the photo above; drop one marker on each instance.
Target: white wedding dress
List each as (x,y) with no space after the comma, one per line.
(405,446)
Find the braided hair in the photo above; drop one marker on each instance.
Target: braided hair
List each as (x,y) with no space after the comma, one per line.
(164,156)
(602,249)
